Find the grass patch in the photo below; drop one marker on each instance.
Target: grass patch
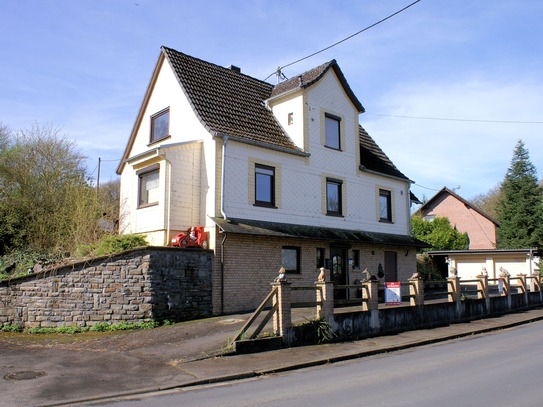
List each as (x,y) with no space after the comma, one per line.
(70,330)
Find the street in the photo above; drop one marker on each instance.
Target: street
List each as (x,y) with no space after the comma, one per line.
(498,369)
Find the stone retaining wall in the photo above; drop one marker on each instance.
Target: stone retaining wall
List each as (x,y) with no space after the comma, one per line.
(137,286)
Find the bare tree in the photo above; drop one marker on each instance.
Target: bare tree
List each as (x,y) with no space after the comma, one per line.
(488,202)
(45,203)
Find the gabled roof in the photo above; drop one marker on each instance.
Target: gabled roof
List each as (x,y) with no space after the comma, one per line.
(373,159)
(447,191)
(312,76)
(228,102)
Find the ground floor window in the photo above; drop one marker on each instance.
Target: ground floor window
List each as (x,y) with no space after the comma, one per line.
(356,259)
(320,257)
(291,259)
(149,191)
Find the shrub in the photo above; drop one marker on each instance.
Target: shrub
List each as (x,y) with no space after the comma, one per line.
(111,245)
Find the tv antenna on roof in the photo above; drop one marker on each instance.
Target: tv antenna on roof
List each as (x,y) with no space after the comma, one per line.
(280,75)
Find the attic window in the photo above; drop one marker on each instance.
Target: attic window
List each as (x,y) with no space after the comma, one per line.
(290,118)
(332,132)
(160,125)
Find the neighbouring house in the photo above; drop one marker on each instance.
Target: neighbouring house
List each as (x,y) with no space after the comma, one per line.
(467,218)
(470,263)
(279,175)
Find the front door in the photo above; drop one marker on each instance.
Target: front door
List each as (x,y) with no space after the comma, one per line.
(391,266)
(338,257)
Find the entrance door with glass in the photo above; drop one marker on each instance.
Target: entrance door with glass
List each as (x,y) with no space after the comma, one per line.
(338,260)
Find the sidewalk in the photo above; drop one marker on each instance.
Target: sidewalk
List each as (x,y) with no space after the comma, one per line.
(70,370)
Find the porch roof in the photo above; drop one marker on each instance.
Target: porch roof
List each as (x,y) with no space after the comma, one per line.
(287,230)
(487,252)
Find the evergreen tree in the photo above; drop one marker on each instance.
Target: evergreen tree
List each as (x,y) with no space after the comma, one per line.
(520,208)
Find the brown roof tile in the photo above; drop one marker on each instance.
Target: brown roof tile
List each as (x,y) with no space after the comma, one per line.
(228,102)
(313,75)
(373,158)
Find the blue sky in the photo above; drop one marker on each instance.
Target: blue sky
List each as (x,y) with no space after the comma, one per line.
(84,65)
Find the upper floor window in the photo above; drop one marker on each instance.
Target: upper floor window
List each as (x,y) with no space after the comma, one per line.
(148,193)
(264,185)
(160,125)
(290,118)
(290,256)
(385,205)
(332,131)
(333,197)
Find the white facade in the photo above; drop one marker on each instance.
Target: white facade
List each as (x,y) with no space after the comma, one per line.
(191,167)
(301,181)
(184,180)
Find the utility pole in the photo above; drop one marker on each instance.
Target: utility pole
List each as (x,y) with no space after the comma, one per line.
(98,178)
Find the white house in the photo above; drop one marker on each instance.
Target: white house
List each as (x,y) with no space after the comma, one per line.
(279,175)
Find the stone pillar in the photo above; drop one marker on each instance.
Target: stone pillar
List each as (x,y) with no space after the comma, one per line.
(416,291)
(453,288)
(482,287)
(521,278)
(370,295)
(282,318)
(325,300)
(535,283)
(506,279)
(483,291)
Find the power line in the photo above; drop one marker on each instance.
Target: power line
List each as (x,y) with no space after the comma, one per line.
(278,71)
(455,119)
(421,186)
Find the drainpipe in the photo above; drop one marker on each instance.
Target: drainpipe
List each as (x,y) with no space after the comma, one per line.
(223,213)
(222,272)
(169,198)
(223,177)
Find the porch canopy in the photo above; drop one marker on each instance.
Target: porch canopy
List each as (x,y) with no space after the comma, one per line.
(287,230)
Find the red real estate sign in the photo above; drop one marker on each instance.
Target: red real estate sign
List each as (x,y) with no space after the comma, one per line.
(392,293)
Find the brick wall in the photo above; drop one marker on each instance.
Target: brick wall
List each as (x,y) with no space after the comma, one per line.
(481,230)
(138,286)
(251,263)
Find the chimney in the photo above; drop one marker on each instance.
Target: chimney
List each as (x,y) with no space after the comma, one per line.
(235,68)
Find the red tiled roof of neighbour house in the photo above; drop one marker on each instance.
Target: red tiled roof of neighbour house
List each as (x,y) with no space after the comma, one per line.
(313,75)
(372,158)
(229,102)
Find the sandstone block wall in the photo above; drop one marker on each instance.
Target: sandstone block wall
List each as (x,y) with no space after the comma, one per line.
(138,286)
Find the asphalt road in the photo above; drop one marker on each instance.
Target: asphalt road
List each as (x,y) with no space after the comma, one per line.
(497,369)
